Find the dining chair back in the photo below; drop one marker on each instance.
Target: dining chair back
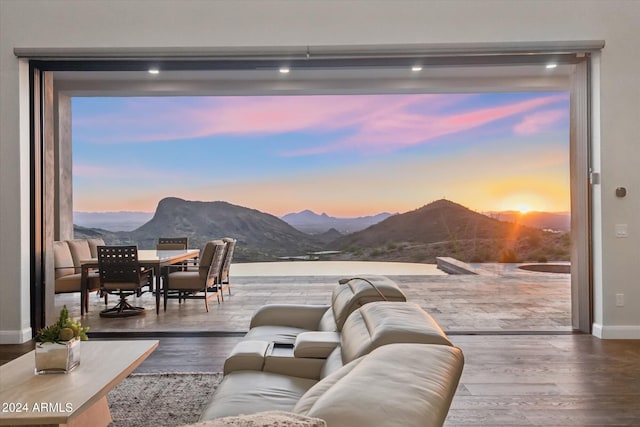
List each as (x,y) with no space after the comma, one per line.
(225,280)
(120,273)
(172,243)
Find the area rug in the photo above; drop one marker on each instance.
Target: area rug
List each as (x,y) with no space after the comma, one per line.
(166,399)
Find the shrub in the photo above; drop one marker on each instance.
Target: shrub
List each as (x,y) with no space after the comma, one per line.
(377,252)
(508,255)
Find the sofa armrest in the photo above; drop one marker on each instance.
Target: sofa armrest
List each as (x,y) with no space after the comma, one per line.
(246,355)
(316,344)
(298,316)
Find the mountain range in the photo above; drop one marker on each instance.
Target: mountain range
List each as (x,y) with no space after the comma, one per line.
(306,221)
(440,228)
(112,221)
(445,228)
(312,223)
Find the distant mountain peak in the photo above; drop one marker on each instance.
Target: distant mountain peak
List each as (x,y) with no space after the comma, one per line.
(309,222)
(443,203)
(170,200)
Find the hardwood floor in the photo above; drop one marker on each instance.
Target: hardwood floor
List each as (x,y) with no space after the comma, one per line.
(508,380)
(511,301)
(569,380)
(523,367)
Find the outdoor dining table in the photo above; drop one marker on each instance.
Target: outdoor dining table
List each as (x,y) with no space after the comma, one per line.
(158,260)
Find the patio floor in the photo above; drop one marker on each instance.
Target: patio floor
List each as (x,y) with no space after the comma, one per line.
(506,299)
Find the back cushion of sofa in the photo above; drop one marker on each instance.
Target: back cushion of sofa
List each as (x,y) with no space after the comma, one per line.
(332,363)
(62,259)
(93,246)
(309,399)
(79,251)
(395,385)
(381,323)
(327,322)
(356,292)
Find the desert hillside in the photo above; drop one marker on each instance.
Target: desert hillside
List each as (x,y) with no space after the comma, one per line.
(440,228)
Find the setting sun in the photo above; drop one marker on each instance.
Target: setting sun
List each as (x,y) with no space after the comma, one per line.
(523,209)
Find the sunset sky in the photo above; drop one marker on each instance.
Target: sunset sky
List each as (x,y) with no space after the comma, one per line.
(346,155)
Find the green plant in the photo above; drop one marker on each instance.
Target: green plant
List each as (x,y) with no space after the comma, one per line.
(64,329)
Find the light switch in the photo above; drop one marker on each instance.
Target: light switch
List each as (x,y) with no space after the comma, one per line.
(622,230)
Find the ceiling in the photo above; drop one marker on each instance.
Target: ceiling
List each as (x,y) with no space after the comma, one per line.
(466,67)
(263,80)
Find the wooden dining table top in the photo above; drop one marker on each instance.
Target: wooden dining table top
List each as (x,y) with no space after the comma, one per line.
(161,257)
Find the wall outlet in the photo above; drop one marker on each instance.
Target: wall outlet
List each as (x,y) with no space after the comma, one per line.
(622,230)
(619,300)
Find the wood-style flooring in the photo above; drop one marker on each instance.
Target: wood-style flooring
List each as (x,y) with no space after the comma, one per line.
(511,301)
(523,366)
(508,380)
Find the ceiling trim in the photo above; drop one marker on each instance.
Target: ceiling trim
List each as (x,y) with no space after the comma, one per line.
(311,52)
(320,69)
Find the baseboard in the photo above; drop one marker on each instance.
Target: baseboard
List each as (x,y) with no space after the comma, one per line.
(15,337)
(617,332)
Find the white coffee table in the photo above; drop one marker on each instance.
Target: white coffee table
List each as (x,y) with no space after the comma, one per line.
(74,399)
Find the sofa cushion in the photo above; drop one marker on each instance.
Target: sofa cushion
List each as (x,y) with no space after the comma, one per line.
(68,283)
(356,292)
(79,251)
(315,344)
(93,246)
(395,385)
(248,392)
(328,322)
(381,323)
(206,255)
(62,259)
(72,283)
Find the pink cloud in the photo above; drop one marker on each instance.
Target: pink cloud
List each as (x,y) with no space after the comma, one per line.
(539,121)
(375,122)
(399,128)
(270,115)
(164,121)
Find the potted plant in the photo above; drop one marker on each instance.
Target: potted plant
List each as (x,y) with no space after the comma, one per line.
(58,345)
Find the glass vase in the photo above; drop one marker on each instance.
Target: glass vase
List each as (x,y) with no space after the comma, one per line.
(57,357)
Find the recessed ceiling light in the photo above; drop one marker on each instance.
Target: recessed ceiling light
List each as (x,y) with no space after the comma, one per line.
(284,70)
(416,68)
(549,66)
(154,71)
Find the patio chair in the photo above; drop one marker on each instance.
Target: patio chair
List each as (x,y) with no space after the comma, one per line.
(172,243)
(225,281)
(203,278)
(120,273)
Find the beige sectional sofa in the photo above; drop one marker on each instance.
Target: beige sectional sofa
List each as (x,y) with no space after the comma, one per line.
(284,322)
(392,366)
(67,257)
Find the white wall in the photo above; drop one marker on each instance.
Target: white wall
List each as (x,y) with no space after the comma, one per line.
(185,23)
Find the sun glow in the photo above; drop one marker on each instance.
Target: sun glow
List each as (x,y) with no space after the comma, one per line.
(523,209)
